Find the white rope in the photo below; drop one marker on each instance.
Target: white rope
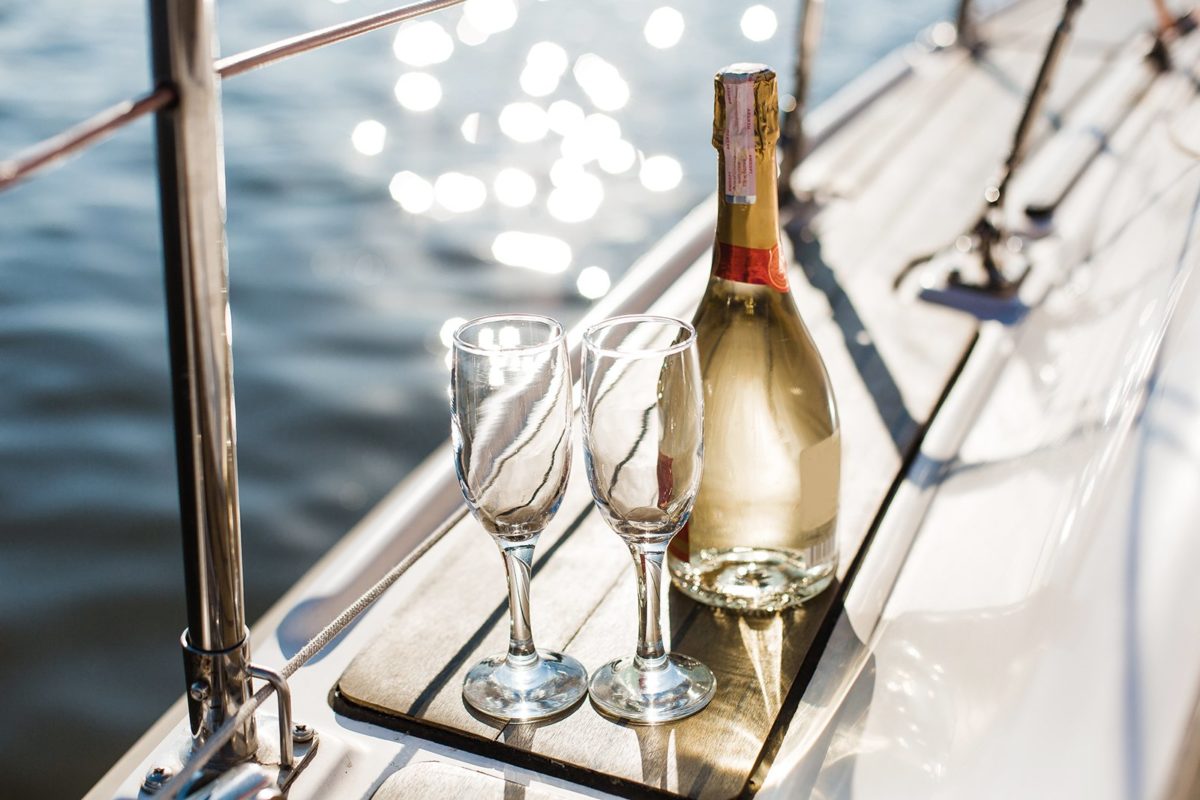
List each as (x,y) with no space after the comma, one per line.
(330,631)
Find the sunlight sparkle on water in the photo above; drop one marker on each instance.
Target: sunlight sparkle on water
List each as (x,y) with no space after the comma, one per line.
(617,157)
(601,81)
(664,28)
(490,16)
(564,117)
(759,23)
(548,56)
(534,251)
(418,91)
(524,122)
(588,141)
(468,34)
(593,282)
(470,127)
(368,137)
(514,188)
(459,193)
(544,67)
(446,334)
(660,173)
(564,170)
(577,197)
(538,83)
(412,192)
(420,44)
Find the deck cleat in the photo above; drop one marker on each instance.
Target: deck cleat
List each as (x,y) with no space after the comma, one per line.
(958,280)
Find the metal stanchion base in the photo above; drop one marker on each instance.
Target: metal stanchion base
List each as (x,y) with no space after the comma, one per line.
(264,770)
(218,683)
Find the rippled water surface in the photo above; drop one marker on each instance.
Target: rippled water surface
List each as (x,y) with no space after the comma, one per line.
(509,155)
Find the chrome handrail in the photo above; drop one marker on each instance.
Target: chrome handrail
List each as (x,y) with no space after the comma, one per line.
(88,132)
(276,51)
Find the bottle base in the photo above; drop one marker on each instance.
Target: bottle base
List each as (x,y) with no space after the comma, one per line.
(749,580)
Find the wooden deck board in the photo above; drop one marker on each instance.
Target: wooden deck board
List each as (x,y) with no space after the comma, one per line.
(890,360)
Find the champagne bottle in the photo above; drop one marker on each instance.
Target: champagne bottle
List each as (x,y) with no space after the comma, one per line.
(762,535)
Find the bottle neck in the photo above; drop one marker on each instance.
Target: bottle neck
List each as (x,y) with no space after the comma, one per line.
(747,246)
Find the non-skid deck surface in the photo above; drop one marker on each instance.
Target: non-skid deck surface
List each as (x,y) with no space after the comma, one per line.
(902,179)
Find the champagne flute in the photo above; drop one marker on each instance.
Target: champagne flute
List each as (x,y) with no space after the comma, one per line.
(642,426)
(511,418)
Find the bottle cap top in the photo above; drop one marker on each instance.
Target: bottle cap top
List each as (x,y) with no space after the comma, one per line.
(745,71)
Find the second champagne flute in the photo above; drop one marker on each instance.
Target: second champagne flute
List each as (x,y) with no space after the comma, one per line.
(642,431)
(510,425)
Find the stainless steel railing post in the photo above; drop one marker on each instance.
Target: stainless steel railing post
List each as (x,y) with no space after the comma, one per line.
(192,196)
(791,138)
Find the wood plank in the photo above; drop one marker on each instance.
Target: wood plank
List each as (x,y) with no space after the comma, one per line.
(890,361)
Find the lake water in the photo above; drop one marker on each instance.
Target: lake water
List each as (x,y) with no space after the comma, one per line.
(375,193)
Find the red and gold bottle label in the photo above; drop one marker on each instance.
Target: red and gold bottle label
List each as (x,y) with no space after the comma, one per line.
(751,265)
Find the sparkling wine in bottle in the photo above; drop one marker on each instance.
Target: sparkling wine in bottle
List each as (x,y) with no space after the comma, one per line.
(762,535)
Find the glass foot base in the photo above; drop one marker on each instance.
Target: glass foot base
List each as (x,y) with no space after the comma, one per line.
(547,686)
(679,688)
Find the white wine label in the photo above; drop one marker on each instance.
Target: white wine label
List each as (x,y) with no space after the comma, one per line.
(740,175)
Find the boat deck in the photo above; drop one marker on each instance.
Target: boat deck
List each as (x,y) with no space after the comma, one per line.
(902,179)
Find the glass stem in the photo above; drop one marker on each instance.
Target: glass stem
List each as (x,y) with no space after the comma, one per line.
(518,562)
(648,561)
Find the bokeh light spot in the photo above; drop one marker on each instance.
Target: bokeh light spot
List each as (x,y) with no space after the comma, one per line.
(420,44)
(535,251)
(368,137)
(470,127)
(660,173)
(759,23)
(593,282)
(418,91)
(524,122)
(576,197)
(412,192)
(601,82)
(459,193)
(514,188)
(490,16)
(664,28)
